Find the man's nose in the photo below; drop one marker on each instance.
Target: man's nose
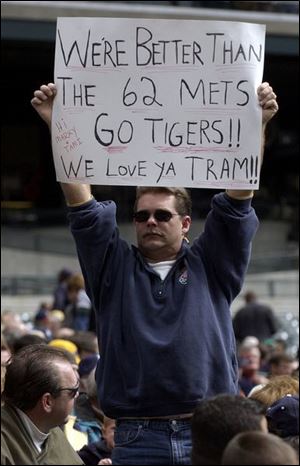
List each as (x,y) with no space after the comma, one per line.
(151,220)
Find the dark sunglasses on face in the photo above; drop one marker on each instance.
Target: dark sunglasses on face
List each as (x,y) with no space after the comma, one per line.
(160,215)
(73,391)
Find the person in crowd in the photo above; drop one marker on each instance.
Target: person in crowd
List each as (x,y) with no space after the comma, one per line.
(86,343)
(57,318)
(282,364)
(276,388)
(100,452)
(249,367)
(79,310)
(39,392)
(89,416)
(10,319)
(66,333)
(162,308)
(28,339)
(254,319)
(283,416)
(12,327)
(249,448)
(86,366)
(217,420)
(42,321)
(60,293)
(69,347)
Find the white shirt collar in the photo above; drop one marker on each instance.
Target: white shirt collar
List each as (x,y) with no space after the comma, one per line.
(162,268)
(36,435)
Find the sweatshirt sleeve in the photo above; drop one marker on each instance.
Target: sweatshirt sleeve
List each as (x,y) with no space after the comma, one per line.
(93,226)
(225,244)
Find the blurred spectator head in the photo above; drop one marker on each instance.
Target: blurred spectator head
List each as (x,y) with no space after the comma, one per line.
(249,359)
(10,318)
(258,448)
(28,339)
(87,364)
(282,364)
(68,346)
(250,342)
(57,314)
(88,386)
(283,416)
(63,275)
(57,318)
(42,320)
(86,343)
(12,327)
(250,297)
(74,284)
(276,388)
(60,294)
(42,316)
(279,345)
(217,420)
(65,333)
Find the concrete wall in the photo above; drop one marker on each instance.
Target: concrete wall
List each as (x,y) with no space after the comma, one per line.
(282,302)
(15,261)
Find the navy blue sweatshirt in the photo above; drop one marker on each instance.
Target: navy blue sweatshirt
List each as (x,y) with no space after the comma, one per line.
(165,344)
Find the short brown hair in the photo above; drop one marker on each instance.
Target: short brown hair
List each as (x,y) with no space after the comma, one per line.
(255,447)
(75,282)
(183,202)
(30,373)
(277,387)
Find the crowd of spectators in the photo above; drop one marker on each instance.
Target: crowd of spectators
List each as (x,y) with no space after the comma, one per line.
(258,423)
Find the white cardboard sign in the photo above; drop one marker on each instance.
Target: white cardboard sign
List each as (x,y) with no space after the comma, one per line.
(158,102)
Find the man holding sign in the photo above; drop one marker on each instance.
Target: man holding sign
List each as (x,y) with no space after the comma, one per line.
(159,103)
(163,308)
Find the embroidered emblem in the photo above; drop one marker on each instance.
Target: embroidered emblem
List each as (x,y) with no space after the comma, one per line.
(183,278)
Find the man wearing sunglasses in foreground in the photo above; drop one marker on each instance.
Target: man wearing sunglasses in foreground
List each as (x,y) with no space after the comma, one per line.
(39,392)
(163,308)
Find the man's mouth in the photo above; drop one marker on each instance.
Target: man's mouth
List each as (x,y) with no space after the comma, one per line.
(152,233)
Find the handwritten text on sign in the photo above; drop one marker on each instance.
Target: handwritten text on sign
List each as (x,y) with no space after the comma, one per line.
(158,102)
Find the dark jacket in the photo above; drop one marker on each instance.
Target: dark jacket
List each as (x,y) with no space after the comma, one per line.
(167,344)
(255,320)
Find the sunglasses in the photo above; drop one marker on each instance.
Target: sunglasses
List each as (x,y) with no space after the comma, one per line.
(73,391)
(160,215)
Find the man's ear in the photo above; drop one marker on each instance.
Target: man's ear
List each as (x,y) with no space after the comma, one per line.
(186,223)
(47,402)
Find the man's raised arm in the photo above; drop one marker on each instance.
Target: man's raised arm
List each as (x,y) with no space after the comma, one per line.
(267,100)
(42,102)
